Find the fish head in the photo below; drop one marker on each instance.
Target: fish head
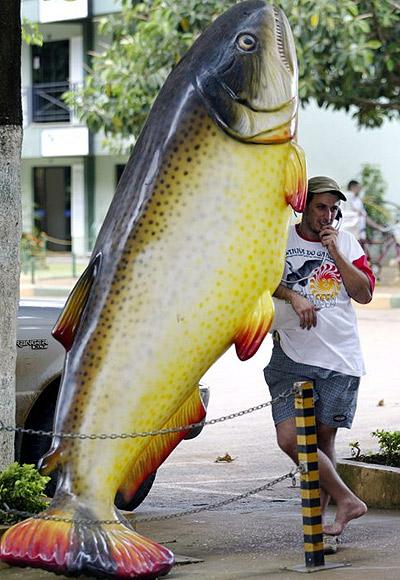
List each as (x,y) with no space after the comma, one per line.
(247,73)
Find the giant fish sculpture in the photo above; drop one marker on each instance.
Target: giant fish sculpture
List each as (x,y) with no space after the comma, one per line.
(184,266)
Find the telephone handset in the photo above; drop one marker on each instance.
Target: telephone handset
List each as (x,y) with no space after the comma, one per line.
(338,219)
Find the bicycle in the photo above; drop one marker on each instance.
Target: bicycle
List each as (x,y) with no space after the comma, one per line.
(384,243)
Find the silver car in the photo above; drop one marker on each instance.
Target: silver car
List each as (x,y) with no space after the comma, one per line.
(40,360)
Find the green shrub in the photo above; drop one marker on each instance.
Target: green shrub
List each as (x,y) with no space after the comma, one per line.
(389,449)
(21,488)
(389,444)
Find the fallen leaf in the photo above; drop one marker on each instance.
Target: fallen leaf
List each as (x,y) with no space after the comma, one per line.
(225,459)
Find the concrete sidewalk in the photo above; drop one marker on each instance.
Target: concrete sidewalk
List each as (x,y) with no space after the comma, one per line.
(267,544)
(250,544)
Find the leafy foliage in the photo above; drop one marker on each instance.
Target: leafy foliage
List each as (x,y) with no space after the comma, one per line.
(374,187)
(21,488)
(389,444)
(389,449)
(30,33)
(348,56)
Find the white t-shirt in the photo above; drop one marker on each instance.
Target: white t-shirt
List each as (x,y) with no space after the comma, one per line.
(309,270)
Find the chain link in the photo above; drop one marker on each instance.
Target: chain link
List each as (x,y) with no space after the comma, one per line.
(49,518)
(223,502)
(282,397)
(191,511)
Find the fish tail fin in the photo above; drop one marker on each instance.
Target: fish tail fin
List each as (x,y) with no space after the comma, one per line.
(77,547)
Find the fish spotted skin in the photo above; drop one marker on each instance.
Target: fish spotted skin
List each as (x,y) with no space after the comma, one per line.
(164,323)
(184,265)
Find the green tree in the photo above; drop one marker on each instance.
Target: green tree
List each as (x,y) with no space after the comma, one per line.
(374,187)
(348,54)
(30,33)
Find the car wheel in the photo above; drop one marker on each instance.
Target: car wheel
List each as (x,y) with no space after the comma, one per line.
(33,447)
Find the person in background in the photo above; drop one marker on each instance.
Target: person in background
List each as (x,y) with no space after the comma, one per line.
(354,213)
(316,339)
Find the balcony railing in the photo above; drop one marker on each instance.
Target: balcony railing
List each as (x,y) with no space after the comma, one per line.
(44,103)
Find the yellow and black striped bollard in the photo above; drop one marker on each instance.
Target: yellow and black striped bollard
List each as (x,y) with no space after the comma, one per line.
(307,447)
(309,480)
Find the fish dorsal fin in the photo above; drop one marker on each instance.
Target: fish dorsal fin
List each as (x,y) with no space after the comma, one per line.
(66,326)
(160,446)
(296,178)
(255,327)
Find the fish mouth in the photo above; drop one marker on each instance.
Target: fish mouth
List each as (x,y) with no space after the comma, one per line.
(249,105)
(265,111)
(253,96)
(281,25)
(276,124)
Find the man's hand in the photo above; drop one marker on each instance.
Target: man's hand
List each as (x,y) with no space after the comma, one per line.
(355,281)
(304,310)
(329,238)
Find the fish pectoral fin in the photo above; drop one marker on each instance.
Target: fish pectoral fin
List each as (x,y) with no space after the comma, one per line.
(160,446)
(255,327)
(67,324)
(296,178)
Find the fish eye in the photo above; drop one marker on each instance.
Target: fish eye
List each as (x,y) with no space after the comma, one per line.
(246,42)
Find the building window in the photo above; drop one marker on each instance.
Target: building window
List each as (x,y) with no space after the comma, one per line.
(52,205)
(50,79)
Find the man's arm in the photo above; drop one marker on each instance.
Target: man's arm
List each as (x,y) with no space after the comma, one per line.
(303,308)
(355,281)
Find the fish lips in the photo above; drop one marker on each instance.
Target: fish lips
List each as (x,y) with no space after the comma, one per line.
(244,121)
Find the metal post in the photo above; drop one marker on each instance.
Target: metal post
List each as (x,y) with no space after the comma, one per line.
(307,447)
(74,274)
(309,479)
(33,268)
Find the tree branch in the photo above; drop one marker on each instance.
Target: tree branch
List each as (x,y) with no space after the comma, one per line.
(379,30)
(395,5)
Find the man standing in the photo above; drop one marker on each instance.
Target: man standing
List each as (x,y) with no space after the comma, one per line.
(316,338)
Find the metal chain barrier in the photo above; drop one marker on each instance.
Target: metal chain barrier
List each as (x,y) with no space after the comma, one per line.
(292,474)
(225,502)
(191,511)
(284,396)
(56,240)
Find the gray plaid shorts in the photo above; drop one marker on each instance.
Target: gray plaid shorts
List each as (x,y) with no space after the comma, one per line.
(335,394)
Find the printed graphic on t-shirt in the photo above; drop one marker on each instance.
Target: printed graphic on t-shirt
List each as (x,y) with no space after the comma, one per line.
(317,278)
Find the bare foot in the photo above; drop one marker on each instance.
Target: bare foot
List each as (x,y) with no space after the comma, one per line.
(346,511)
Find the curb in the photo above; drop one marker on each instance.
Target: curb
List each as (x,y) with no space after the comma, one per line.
(377,485)
(383,301)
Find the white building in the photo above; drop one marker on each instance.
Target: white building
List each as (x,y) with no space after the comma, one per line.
(68,181)
(335,146)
